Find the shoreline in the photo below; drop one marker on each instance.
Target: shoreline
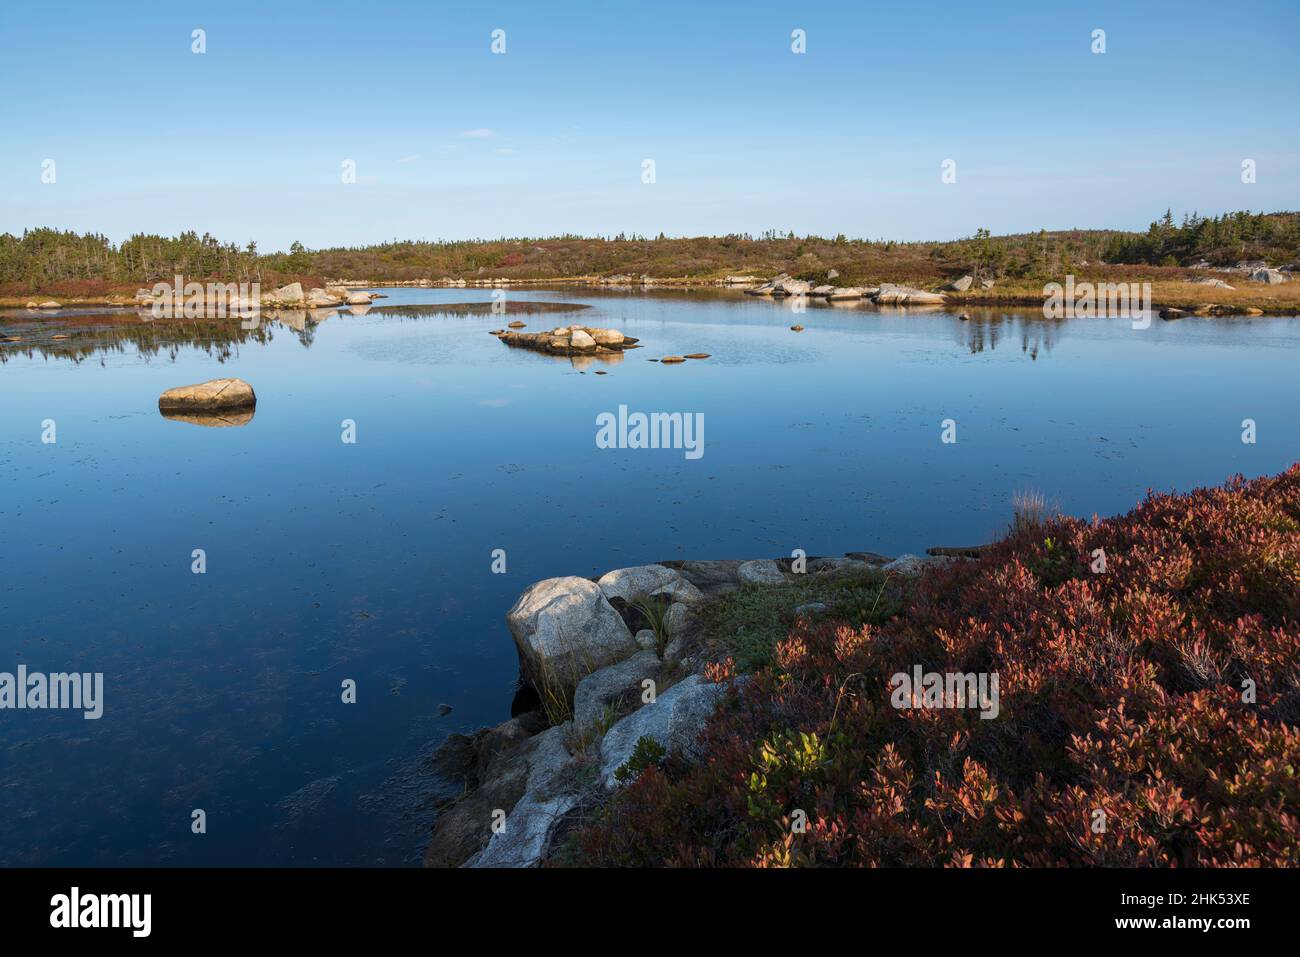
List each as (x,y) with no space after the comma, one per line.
(742,747)
(1190,298)
(582,715)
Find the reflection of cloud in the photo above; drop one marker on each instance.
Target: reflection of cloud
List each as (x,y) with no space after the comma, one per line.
(494,403)
(479,134)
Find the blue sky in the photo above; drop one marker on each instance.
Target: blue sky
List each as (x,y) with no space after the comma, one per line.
(451,141)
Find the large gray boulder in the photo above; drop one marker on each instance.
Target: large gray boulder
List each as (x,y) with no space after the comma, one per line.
(1270,276)
(289,293)
(581,341)
(564,629)
(609,686)
(649,580)
(961,285)
(674,721)
(762,571)
(606,337)
(893,294)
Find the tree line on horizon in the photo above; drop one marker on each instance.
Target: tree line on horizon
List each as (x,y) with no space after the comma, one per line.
(43,257)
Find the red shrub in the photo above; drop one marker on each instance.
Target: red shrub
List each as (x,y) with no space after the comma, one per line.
(1125,733)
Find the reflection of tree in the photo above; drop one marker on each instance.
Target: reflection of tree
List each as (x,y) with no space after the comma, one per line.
(984,332)
(161,337)
(506,307)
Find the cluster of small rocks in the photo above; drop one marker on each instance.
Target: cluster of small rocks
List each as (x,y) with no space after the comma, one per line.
(290,296)
(568,340)
(885,294)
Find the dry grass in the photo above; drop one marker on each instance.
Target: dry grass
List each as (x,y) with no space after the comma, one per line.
(1031,510)
(1166,290)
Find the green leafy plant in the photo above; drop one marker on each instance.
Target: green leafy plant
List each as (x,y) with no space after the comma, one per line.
(648,753)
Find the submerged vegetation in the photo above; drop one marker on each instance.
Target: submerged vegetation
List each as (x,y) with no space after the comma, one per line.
(1149,712)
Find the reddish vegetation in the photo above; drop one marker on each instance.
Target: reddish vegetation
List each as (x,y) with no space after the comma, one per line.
(1121,692)
(69,288)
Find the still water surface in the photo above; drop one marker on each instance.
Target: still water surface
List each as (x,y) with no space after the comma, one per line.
(372,561)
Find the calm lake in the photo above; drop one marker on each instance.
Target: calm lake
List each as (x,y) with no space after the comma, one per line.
(373,561)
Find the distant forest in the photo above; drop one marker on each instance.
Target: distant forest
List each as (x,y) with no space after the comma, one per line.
(45,258)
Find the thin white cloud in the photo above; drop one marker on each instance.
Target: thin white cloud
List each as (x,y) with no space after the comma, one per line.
(479,134)
(409,159)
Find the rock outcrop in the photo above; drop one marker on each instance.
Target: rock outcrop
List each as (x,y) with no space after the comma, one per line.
(510,793)
(609,686)
(768,288)
(674,720)
(893,294)
(571,341)
(792,287)
(1270,276)
(292,293)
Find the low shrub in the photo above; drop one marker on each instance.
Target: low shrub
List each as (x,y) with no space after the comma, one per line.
(1149,685)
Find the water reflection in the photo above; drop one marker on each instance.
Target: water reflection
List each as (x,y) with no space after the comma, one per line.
(985,330)
(122,333)
(503,307)
(218,420)
(331,560)
(104,332)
